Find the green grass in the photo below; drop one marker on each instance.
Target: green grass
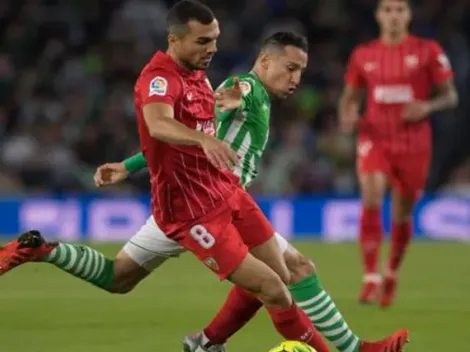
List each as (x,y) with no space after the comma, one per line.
(43,309)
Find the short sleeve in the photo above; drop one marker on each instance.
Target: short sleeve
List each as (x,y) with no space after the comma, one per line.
(353,75)
(439,65)
(160,87)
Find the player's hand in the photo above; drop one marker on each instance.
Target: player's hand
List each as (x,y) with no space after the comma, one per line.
(219,153)
(416,111)
(348,121)
(109,174)
(229,98)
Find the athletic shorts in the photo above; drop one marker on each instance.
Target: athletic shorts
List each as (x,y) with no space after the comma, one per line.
(407,172)
(150,247)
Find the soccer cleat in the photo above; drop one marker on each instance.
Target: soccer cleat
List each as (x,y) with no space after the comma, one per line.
(193,343)
(29,247)
(369,292)
(394,343)
(387,295)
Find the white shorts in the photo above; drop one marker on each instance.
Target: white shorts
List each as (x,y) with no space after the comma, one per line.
(150,248)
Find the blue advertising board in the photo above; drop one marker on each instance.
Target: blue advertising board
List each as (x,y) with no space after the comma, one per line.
(98,218)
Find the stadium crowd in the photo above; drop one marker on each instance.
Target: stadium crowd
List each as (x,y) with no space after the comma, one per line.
(67,70)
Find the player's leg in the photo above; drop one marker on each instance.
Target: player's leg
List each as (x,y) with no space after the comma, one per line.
(373,168)
(312,298)
(408,182)
(218,244)
(148,249)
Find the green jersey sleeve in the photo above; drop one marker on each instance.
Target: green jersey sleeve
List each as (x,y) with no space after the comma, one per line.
(246,128)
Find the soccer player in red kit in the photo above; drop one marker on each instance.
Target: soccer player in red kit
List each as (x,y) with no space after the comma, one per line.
(397,72)
(196,200)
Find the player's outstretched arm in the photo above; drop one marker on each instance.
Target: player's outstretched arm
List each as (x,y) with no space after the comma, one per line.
(135,162)
(110,173)
(161,124)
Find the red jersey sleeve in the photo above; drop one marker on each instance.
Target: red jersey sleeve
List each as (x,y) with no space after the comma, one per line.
(160,86)
(353,75)
(439,65)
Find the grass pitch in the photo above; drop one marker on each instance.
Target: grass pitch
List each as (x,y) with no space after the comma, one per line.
(43,309)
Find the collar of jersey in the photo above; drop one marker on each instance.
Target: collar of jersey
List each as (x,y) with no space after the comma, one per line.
(256,77)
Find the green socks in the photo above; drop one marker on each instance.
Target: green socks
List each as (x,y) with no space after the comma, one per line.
(321,310)
(83,262)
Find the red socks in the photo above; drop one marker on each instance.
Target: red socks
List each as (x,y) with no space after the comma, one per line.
(293,324)
(238,309)
(240,306)
(370,238)
(400,239)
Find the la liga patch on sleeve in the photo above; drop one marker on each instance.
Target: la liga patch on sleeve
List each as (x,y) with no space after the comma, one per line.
(245,87)
(158,86)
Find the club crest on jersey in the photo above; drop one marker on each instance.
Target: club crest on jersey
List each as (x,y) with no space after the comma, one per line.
(245,87)
(211,263)
(411,61)
(158,86)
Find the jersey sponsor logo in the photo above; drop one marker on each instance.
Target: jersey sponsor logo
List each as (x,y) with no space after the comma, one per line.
(158,86)
(206,127)
(393,94)
(245,87)
(444,61)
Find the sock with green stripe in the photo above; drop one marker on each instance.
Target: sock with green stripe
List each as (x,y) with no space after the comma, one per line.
(83,262)
(320,308)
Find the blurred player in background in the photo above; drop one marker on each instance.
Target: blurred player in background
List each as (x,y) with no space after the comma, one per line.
(397,72)
(243,123)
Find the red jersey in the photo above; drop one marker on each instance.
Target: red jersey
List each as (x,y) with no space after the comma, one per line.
(393,77)
(184,184)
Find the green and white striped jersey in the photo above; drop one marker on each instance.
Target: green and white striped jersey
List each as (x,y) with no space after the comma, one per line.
(246,129)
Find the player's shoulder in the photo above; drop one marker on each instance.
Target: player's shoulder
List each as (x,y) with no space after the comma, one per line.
(423,42)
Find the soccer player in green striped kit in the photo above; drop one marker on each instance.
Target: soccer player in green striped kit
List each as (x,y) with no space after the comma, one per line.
(243,113)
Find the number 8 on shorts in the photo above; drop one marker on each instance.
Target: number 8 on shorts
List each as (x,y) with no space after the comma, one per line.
(200,234)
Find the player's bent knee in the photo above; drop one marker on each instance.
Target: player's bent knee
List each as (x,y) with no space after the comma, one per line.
(300,267)
(274,293)
(127,274)
(257,277)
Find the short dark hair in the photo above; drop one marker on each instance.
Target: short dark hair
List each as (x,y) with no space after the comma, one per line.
(186,10)
(408,2)
(280,40)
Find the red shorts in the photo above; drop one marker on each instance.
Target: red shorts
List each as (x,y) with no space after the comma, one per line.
(407,172)
(222,238)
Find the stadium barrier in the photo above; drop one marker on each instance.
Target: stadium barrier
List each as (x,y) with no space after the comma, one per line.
(331,218)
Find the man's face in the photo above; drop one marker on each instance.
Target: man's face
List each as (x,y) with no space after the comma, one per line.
(197,45)
(393,16)
(284,70)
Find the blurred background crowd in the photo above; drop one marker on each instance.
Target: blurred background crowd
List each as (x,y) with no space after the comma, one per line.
(67,70)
